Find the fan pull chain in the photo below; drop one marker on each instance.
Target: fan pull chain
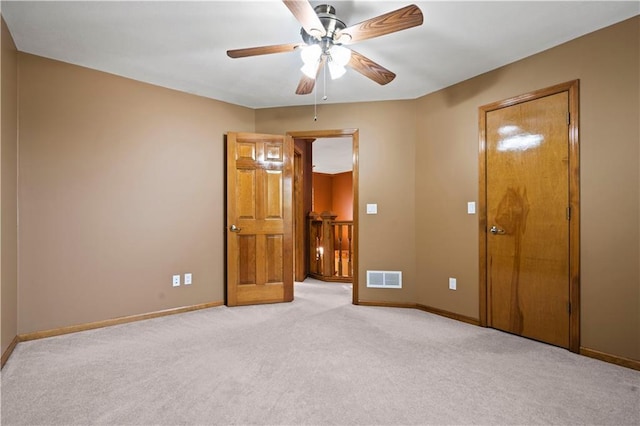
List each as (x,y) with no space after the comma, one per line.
(324,82)
(315,104)
(315,93)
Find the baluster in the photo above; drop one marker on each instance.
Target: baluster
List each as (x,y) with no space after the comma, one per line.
(350,249)
(328,263)
(315,243)
(339,271)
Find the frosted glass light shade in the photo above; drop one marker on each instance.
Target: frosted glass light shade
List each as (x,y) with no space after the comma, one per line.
(336,70)
(311,54)
(310,70)
(340,55)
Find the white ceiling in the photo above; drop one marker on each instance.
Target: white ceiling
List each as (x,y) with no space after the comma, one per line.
(182,45)
(332,155)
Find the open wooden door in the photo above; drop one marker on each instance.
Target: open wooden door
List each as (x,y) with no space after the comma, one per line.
(259,219)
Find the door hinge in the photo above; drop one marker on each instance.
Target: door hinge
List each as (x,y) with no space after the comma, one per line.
(568,213)
(569,308)
(568,118)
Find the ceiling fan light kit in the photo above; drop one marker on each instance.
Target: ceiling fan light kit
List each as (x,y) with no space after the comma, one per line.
(336,70)
(311,54)
(324,37)
(310,70)
(337,56)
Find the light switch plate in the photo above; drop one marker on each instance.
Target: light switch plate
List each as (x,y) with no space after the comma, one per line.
(471,207)
(452,283)
(372,209)
(187,279)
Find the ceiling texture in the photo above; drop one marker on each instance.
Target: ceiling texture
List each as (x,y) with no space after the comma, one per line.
(182,45)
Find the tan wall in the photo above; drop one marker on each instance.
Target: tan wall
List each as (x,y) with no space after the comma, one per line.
(607,64)
(121,186)
(9,202)
(387,177)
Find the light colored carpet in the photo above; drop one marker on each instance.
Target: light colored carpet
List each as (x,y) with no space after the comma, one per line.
(318,360)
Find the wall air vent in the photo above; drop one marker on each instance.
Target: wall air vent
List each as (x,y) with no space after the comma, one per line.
(384,279)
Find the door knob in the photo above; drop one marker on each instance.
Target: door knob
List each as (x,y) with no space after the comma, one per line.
(495,230)
(234,228)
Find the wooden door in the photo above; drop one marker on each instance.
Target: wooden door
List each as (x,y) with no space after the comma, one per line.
(528,218)
(259,219)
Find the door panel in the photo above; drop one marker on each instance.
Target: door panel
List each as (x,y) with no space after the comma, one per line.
(246,194)
(274,202)
(527,201)
(259,219)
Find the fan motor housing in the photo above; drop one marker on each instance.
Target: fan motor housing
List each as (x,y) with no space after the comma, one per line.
(331,23)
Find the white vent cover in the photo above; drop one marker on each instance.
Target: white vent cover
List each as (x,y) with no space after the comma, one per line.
(384,279)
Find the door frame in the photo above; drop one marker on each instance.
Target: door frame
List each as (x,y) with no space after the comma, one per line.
(300,267)
(339,133)
(572,87)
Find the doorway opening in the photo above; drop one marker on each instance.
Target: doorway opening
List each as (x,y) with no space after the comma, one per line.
(303,199)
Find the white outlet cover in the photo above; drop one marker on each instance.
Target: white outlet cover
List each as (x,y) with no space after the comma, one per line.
(176,280)
(372,209)
(187,279)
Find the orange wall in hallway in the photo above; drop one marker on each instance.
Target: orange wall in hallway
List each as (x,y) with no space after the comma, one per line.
(343,195)
(333,193)
(322,193)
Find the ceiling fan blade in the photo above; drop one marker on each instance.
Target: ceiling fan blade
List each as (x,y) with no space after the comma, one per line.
(307,84)
(398,20)
(370,69)
(263,50)
(304,13)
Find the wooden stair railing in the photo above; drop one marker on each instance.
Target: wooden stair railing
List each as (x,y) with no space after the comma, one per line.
(331,247)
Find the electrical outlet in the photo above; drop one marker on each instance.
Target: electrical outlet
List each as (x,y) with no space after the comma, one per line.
(176,280)
(187,279)
(452,283)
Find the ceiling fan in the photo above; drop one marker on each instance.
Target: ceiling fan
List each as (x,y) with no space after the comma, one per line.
(325,36)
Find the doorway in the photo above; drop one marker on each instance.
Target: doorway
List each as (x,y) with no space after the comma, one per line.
(529,215)
(302,197)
